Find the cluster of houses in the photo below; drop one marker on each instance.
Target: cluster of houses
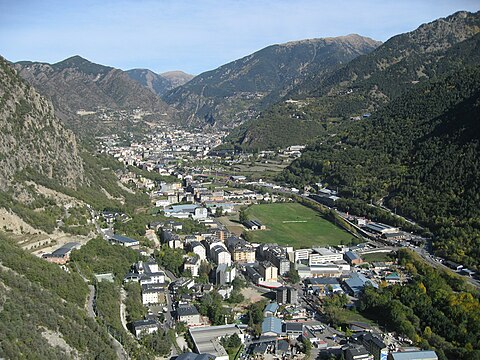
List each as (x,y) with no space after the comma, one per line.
(162,148)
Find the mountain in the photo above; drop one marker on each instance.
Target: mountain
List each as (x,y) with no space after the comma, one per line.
(420,155)
(31,137)
(366,83)
(76,84)
(235,92)
(159,84)
(177,78)
(42,313)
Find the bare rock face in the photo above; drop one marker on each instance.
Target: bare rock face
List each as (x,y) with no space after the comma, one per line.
(31,137)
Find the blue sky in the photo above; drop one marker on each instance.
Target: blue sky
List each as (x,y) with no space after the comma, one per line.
(196,35)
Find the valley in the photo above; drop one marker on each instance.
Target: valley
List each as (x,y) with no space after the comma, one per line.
(314,199)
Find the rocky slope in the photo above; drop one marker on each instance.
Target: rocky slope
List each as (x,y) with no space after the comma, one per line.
(159,84)
(235,92)
(31,137)
(77,84)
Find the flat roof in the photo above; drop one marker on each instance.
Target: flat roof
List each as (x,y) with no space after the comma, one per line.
(415,355)
(65,249)
(123,239)
(206,338)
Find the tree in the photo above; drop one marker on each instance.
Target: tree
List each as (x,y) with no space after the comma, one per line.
(158,342)
(219,211)
(307,347)
(171,259)
(243,215)
(292,275)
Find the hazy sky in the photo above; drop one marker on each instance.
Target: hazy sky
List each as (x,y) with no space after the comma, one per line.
(195,35)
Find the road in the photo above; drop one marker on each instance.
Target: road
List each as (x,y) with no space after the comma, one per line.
(90,301)
(420,251)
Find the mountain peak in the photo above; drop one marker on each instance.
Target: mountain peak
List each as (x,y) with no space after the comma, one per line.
(351,39)
(81,64)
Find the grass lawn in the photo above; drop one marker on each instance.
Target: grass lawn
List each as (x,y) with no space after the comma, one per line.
(295,225)
(347,317)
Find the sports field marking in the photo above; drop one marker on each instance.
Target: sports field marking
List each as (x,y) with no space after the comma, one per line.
(293,221)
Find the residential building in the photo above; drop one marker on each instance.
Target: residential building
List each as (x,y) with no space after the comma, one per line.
(124,241)
(268,271)
(224,274)
(62,254)
(153,294)
(197,248)
(286,295)
(219,254)
(375,346)
(188,314)
(271,309)
(253,274)
(144,327)
(293,329)
(352,258)
(357,352)
(192,264)
(277,256)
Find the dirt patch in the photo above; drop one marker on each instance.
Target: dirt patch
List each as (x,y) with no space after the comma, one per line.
(11,222)
(251,295)
(56,339)
(57,196)
(234,227)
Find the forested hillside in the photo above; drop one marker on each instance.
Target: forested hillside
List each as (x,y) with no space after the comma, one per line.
(436,310)
(42,312)
(366,83)
(421,153)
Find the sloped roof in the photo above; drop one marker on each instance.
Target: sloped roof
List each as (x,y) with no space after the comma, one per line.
(272,324)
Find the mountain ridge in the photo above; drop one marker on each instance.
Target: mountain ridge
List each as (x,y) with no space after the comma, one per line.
(76,84)
(368,82)
(159,84)
(235,91)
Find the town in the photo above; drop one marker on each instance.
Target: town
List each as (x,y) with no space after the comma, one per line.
(203,275)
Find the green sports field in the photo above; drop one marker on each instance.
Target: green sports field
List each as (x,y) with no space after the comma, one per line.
(295,225)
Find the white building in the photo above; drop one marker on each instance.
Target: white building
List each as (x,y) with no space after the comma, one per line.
(197,248)
(323,256)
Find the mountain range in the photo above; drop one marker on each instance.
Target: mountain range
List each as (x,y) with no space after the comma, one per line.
(365,83)
(31,136)
(76,84)
(159,84)
(236,91)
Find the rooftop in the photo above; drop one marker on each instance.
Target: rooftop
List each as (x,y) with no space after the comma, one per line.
(206,338)
(415,355)
(272,324)
(272,307)
(187,310)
